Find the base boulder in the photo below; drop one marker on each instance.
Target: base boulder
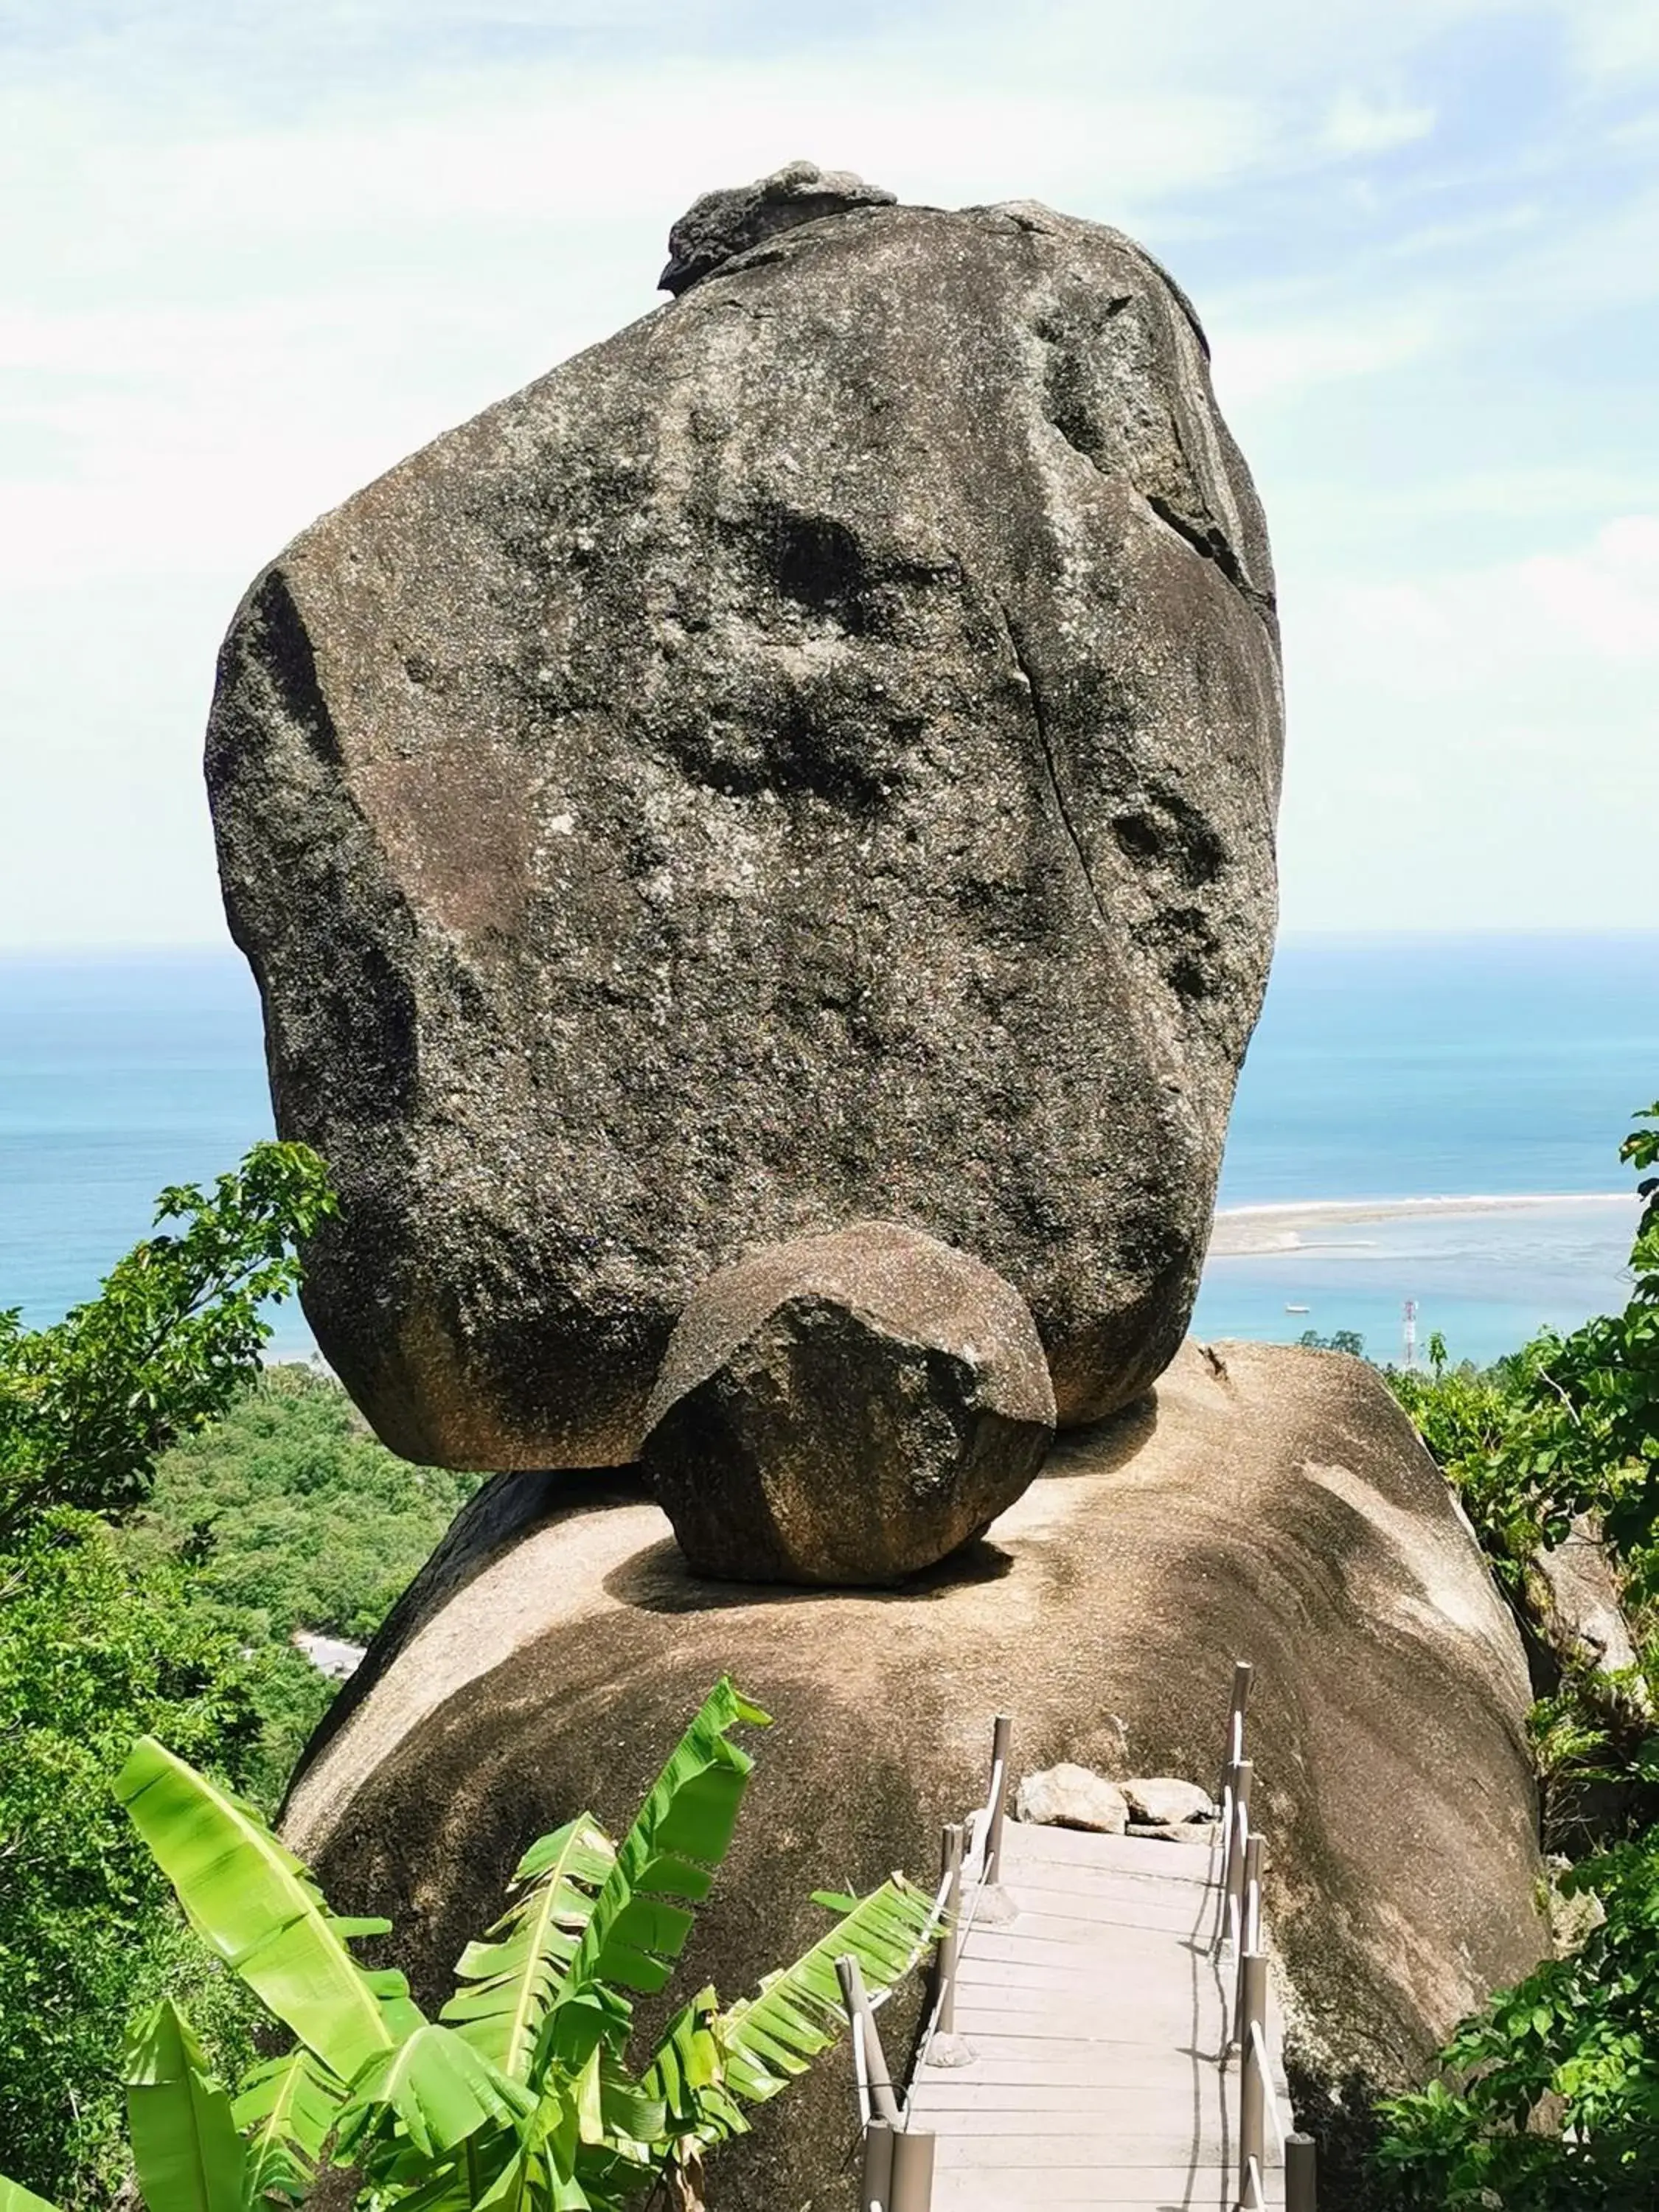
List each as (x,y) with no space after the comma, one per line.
(1272,1503)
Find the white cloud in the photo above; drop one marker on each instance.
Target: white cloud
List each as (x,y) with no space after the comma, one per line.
(1477,746)
(1278,361)
(1581,616)
(1356,125)
(1617,39)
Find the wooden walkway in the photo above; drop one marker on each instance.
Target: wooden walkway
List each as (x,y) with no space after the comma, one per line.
(1095,2013)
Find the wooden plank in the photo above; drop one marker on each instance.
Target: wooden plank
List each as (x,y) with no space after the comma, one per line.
(1065,2068)
(1187,2094)
(1180,2188)
(1013,2007)
(1091,1950)
(1031,2150)
(1054,2139)
(1002,1960)
(1055,2023)
(1184,1862)
(1005,2062)
(1100,1938)
(1108,1905)
(1108,1874)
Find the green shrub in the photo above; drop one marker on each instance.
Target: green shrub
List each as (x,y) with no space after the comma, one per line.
(94,1646)
(1567,1425)
(1548,2100)
(100,1641)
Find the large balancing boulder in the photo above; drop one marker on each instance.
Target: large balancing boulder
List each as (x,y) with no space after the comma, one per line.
(811,757)
(846,1408)
(1272,1503)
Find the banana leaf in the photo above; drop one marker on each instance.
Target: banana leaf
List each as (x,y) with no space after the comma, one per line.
(437,2090)
(541,2175)
(286,2110)
(13,2198)
(520,1967)
(708,2060)
(768,2039)
(665,1862)
(256,1907)
(687,2077)
(187,2153)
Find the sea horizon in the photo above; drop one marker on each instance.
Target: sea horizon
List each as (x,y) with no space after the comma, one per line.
(1424,1115)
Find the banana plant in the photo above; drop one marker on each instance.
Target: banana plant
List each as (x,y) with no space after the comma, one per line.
(522,2096)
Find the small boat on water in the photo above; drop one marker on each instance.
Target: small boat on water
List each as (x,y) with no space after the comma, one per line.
(1298,1309)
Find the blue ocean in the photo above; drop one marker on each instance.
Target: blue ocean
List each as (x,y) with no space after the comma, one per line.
(1383,1070)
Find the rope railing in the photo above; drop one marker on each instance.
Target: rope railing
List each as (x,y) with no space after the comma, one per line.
(898,2159)
(1240,1930)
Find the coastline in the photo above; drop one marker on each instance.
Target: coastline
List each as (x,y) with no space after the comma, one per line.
(1284,1226)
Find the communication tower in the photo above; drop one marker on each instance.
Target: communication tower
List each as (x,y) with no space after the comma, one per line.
(1408,1316)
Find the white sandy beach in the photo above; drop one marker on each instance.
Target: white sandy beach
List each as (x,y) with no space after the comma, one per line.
(1261,1230)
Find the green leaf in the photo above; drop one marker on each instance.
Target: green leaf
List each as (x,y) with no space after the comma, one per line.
(520,1968)
(768,2039)
(638,1926)
(687,2076)
(286,2110)
(708,2059)
(542,2172)
(440,2090)
(187,2153)
(13,2198)
(257,1909)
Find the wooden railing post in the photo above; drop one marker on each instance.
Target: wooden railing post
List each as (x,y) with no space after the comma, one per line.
(1242,1777)
(1233,1753)
(1253,2086)
(950,1945)
(1001,1737)
(1249,1930)
(1301,2173)
(913,2172)
(863,2022)
(877,2190)
(1239,1705)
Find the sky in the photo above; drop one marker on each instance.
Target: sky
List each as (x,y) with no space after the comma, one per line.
(251,256)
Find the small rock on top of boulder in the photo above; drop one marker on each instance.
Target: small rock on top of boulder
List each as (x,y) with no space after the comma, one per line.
(846,1408)
(813,756)
(721,225)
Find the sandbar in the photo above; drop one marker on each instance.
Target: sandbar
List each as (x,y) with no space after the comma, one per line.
(1261,1230)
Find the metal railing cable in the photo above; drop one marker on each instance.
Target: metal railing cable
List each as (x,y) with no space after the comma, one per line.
(898,2159)
(1239,1929)
(1259,2042)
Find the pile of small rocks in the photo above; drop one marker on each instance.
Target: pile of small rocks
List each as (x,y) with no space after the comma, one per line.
(1160,1806)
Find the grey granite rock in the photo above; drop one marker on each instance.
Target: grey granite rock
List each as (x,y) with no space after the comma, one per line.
(1068,1796)
(1165,1801)
(1574,1608)
(1285,1509)
(846,1408)
(811,757)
